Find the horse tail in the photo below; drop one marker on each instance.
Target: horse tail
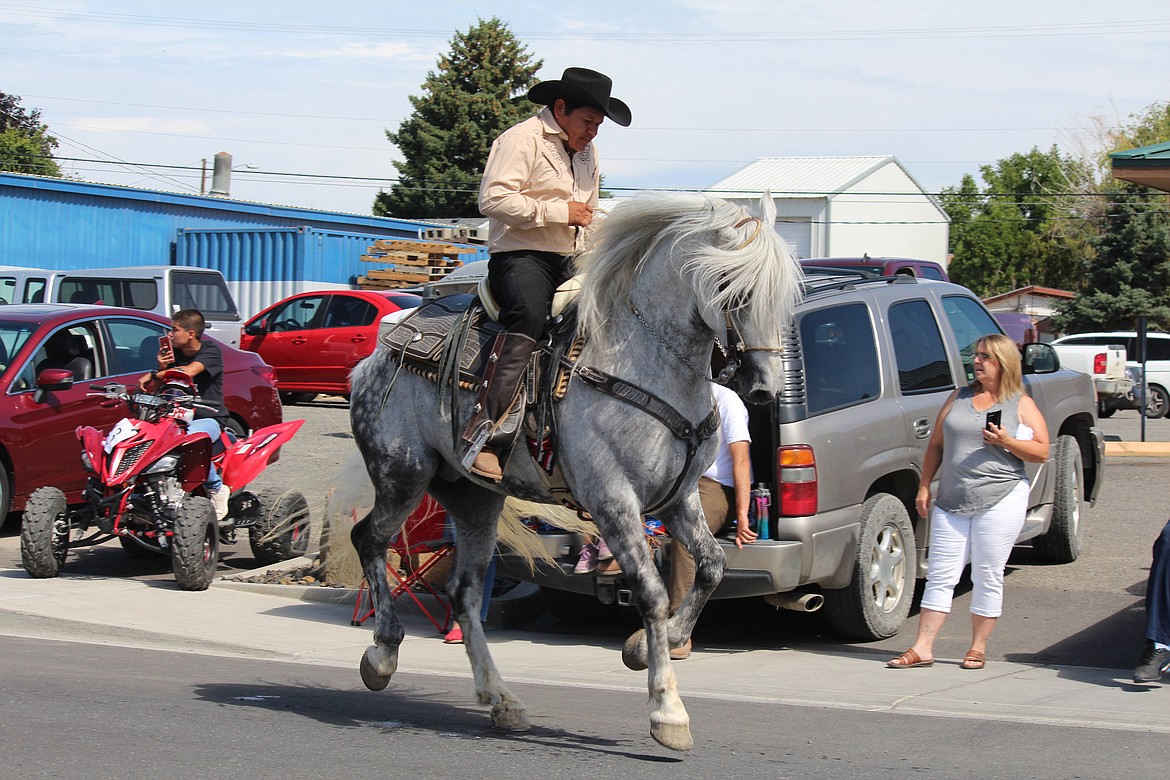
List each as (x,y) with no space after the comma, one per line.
(512,533)
(351,498)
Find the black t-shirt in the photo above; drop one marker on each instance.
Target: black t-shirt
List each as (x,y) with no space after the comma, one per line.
(209,381)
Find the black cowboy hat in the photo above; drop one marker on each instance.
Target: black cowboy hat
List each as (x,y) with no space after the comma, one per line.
(586,87)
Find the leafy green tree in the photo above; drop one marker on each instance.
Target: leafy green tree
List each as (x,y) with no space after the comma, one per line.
(1150,127)
(479,90)
(1022,228)
(1129,277)
(25,143)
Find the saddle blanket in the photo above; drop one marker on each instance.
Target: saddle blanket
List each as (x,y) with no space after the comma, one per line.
(422,336)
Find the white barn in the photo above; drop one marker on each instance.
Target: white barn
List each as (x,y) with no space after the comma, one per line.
(845,206)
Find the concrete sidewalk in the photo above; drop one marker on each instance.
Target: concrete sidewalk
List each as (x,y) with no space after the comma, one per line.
(311,625)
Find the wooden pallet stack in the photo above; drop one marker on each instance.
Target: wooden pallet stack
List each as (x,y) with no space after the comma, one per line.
(409,263)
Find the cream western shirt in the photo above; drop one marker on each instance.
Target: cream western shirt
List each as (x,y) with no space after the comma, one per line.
(528,181)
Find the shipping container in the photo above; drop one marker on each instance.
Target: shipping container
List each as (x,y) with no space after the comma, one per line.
(264,265)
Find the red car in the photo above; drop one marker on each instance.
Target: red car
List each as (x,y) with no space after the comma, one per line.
(99,344)
(314,339)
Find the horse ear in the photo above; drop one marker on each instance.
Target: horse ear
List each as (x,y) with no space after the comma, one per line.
(768,208)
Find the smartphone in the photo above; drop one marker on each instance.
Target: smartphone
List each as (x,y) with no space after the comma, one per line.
(995,417)
(166,351)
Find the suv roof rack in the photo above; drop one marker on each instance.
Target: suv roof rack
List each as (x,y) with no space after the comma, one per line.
(819,283)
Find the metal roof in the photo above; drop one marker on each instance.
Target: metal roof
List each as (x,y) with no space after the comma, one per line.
(803,177)
(229,208)
(1148,165)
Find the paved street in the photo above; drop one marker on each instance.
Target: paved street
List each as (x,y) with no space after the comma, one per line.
(266,672)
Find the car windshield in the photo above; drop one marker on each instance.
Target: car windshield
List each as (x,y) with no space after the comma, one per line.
(13,336)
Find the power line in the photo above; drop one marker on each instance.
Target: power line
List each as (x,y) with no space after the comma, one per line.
(960,198)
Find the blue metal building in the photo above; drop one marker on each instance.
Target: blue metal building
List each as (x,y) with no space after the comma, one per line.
(264,251)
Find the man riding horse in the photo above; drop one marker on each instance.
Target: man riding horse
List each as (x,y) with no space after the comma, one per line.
(539,191)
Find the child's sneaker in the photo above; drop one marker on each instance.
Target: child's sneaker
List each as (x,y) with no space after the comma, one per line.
(588,560)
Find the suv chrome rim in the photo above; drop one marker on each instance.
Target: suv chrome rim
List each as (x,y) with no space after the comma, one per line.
(887,568)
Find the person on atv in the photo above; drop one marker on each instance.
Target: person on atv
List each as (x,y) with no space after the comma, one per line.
(202,360)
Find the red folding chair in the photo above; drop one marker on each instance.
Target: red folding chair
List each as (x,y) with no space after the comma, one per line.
(424,532)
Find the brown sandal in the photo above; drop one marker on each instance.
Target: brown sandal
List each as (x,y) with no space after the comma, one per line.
(974,660)
(909,660)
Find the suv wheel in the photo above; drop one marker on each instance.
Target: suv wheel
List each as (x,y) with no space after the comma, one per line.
(877,600)
(1062,542)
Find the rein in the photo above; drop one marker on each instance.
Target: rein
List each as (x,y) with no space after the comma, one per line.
(691,435)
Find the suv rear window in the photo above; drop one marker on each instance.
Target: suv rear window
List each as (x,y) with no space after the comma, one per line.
(840,357)
(918,349)
(203,291)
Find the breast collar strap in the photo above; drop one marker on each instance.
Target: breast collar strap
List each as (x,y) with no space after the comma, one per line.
(691,435)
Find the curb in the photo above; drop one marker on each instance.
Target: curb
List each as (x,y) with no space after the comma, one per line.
(506,611)
(1143,449)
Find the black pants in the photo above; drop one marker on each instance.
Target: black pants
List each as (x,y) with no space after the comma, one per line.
(523,284)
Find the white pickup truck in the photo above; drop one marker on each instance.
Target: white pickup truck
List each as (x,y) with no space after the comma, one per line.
(1106,365)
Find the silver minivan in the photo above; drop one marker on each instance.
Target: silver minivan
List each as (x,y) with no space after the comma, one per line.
(162,289)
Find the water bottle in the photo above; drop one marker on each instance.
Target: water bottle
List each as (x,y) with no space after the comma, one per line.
(757,514)
(763,505)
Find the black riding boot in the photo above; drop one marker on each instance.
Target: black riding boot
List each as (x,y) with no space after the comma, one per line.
(498,392)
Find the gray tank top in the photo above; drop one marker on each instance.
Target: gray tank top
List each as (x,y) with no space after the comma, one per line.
(974,476)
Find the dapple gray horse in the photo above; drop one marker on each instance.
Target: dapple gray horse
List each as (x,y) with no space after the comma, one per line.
(668,275)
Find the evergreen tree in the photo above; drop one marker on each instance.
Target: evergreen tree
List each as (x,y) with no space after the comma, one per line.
(25,143)
(1130,274)
(479,90)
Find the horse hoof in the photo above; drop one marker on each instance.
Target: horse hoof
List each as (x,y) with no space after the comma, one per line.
(676,736)
(634,653)
(372,680)
(508,717)
(377,677)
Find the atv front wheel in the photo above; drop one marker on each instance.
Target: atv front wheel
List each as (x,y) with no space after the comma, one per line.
(281,531)
(195,545)
(44,533)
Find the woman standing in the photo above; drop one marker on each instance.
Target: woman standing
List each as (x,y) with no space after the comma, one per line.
(983,435)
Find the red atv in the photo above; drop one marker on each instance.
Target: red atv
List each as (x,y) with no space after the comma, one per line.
(145,488)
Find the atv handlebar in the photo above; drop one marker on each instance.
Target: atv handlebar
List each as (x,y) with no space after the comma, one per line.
(148,406)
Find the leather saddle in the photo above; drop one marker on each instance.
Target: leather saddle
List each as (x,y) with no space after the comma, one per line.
(455,332)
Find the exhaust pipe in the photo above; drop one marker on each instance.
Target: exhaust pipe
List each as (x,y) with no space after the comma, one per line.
(796,601)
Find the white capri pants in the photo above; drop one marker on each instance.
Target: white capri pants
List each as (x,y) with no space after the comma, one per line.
(984,540)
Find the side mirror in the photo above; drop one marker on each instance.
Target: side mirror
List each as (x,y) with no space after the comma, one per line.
(256,328)
(55,379)
(52,379)
(1040,359)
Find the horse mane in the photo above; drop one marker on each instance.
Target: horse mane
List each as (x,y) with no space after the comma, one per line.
(742,267)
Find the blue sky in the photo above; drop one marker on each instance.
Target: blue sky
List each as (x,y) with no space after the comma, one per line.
(310,87)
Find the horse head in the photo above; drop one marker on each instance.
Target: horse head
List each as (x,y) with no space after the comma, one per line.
(694,270)
(746,293)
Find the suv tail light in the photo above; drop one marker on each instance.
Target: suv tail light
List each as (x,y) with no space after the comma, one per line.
(796,481)
(1099,363)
